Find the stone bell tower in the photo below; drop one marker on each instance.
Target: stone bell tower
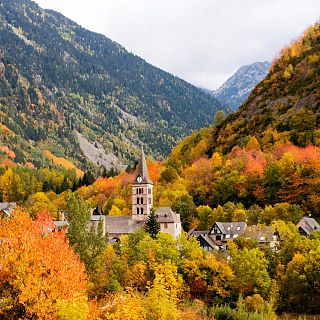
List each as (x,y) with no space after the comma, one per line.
(142,191)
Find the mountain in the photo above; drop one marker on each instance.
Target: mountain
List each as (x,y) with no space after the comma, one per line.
(285,105)
(238,87)
(283,108)
(83,97)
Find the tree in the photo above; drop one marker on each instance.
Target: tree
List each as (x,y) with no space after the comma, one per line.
(38,268)
(250,269)
(218,118)
(89,243)
(160,304)
(152,226)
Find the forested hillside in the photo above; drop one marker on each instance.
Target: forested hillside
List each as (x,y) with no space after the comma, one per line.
(58,79)
(285,105)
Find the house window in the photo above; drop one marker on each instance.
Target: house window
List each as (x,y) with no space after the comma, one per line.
(141,200)
(137,191)
(227,236)
(166,226)
(149,191)
(218,237)
(149,200)
(238,228)
(235,236)
(141,210)
(229,228)
(137,210)
(138,200)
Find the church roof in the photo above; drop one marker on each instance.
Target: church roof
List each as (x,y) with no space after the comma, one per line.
(122,224)
(142,170)
(166,215)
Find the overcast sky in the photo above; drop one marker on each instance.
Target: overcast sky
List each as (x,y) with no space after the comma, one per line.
(201,41)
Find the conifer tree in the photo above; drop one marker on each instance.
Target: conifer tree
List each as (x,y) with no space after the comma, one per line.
(152,226)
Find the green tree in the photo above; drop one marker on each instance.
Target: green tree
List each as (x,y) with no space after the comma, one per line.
(218,118)
(152,226)
(89,242)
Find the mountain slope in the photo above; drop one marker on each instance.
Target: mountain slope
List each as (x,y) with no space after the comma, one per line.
(285,105)
(58,80)
(238,87)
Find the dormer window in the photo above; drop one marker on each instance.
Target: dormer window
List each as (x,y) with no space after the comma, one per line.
(229,228)
(238,228)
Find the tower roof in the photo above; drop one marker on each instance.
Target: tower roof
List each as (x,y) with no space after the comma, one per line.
(142,170)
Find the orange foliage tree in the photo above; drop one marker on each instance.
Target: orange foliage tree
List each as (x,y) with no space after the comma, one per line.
(38,269)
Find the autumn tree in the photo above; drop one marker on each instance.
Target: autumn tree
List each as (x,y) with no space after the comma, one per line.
(38,269)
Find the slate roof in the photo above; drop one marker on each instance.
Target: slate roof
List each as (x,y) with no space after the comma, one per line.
(142,170)
(7,207)
(122,225)
(260,233)
(166,215)
(308,225)
(197,233)
(209,241)
(230,228)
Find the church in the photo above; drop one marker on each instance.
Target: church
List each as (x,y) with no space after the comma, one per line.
(142,204)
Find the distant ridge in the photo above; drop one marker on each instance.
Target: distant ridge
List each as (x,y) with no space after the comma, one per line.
(238,87)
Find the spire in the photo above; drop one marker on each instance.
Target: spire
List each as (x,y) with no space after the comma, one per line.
(142,169)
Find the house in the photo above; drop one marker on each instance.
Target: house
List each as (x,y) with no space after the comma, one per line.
(307,225)
(6,209)
(217,237)
(221,232)
(265,236)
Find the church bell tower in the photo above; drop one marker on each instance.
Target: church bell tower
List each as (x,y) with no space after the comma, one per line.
(142,191)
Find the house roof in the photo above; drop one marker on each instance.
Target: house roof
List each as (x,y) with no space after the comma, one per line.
(7,207)
(197,233)
(142,170)
(260,233)
(308,225)
(208,240)
(166,215)
(230,228)
(122,225)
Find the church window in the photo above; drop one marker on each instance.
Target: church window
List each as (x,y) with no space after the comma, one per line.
(138,200)
(141,200)
(137,210)
(141,210)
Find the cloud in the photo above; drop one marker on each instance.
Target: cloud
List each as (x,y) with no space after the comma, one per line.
(203,41)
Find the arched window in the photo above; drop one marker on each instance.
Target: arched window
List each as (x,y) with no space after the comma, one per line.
(141,200)
(141,210)
(138,200)
(137,210)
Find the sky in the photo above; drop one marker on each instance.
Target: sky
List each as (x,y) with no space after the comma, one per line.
(201,41)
